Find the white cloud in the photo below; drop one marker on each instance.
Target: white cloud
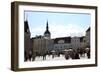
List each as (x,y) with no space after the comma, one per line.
(58,30)
(37,31)
(68,30)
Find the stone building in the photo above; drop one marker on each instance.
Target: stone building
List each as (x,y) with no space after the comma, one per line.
(75,42)
(88,38)
(82,42)
(62,43)
(39,45)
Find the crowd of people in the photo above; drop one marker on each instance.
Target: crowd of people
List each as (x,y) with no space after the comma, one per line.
(70,53)
(78,53)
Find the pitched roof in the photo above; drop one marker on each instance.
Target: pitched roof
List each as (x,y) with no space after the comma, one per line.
(88,29)
(26,26)
(66,40)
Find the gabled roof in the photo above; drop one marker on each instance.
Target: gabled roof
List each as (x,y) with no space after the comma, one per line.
(26,26)
(66,40)
(88,29)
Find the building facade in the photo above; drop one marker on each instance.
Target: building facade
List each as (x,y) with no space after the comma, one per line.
(88,38)
(75,42)
(62,43)
(82,42)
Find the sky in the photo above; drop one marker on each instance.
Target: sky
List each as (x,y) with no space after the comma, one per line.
(61,24)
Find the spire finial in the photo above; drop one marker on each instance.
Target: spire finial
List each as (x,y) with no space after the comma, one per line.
(26,17)
(47,25)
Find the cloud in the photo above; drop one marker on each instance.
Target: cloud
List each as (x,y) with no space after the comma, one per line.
(37,31)
(66,30)
(59,30)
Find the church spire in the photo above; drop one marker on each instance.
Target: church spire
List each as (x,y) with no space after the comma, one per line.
(26,25)
(26,17)
(47,33)
(47,26)
(47,29)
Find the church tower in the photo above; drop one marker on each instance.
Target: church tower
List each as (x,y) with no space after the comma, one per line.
(47,34)
(26,40)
